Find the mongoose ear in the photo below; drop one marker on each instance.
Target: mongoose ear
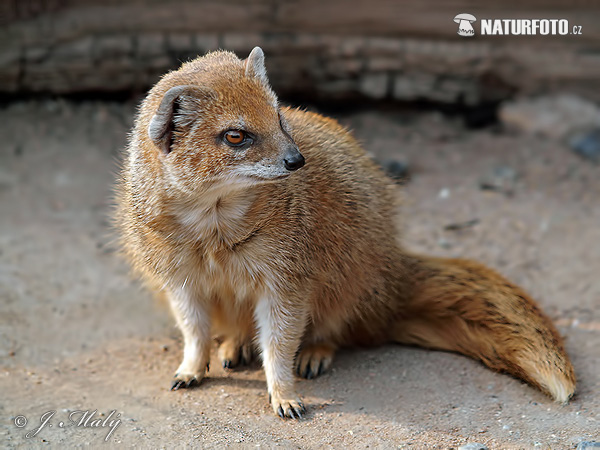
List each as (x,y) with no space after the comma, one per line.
(255,65)
(162,123)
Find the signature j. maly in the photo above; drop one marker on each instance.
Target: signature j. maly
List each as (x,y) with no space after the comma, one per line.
(83,419)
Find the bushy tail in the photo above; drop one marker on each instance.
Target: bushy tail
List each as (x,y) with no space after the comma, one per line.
(465,307)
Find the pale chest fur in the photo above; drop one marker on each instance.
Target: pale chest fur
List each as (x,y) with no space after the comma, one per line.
(224,258)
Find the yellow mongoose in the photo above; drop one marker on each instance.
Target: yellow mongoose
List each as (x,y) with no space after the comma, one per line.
(270,224)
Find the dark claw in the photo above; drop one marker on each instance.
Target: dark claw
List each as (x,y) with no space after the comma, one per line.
(227,364)
(299,412)
(320,371)
(310,374)
(208,367)
(280,412)
(192,382)
(176,385)
(180,384)
(306,371)
(269,398)
(290,412)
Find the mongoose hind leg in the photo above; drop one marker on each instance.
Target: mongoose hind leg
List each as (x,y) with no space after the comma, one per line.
(234,352)
(234,328)
(314,360)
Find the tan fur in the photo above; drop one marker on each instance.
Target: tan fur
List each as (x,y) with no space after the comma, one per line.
(300,261)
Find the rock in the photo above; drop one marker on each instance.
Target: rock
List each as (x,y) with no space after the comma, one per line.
(396,170)
(556,117)
(461,225)
(150,45)
(374,85)
(588,445)
(473,446)
(587,144)
(112,46)
(180,42)
(500,179)
(412,86)
(206,42)
(444,243)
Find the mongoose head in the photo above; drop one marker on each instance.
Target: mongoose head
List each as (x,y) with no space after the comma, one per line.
(216,119)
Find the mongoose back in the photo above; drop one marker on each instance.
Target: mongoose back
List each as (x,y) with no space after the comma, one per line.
(270,228)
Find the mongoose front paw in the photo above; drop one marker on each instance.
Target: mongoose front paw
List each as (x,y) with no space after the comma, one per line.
(314,360)
(233,354)
(287,408)
(186,380)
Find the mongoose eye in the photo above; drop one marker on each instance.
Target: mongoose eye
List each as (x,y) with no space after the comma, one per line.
(235,138)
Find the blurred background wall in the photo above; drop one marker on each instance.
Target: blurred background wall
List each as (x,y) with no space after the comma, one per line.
(378,49)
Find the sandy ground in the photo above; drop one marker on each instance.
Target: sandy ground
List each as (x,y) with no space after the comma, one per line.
(77,334)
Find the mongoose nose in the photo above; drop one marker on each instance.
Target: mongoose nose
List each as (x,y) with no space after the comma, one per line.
(293,160)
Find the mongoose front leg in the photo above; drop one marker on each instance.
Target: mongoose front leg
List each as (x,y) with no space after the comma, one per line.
(193,319)
(280,328)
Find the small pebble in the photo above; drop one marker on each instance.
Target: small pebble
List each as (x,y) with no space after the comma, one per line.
(461,225)
(553,116)
(473,446)
(588,445)
(500,179)
(397,170)
(587,145)
(444,243)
